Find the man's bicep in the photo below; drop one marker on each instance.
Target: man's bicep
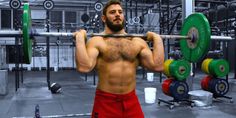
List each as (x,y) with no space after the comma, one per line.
(93,54)
(146,57)
(92,50)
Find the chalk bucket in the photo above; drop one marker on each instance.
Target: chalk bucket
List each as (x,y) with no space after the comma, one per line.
(150,77)
(150,95)
(55,68)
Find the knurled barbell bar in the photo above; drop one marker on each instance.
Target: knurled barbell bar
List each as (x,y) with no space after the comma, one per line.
(195,29)
(19,33)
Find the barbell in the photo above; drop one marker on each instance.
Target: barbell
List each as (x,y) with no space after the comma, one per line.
(37,114)
(194,37)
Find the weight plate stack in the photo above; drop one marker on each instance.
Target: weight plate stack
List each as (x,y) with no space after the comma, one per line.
(219,87)
(176,89)
(180,69)
(219,67)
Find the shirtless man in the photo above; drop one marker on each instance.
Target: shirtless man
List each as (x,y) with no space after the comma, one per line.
(116,60)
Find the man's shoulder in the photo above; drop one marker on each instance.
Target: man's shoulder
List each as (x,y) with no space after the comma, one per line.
(96,40)
(139,40)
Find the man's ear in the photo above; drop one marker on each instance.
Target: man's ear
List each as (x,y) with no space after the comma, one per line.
(103,18)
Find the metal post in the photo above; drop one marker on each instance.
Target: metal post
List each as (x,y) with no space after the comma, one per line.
(86,77)
(227,33)
(17,53)
(161,27)
(235,49)
(188,9)
(22,69)
(136,14)
(48,52)
(94,77)
(126,14)
(168,26)
(235,55)
(58,51)
(130,5)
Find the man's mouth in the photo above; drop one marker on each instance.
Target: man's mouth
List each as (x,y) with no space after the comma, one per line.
(117,20)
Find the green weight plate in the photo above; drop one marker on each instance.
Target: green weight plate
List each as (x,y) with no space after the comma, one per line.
(219,67)
(195,25)
(180,69)
(27,42)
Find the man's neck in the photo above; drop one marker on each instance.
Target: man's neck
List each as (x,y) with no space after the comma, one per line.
(109,31)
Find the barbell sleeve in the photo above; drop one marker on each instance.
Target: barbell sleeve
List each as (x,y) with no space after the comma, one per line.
(174,37)
(10,33)
(53,34)
(221,38)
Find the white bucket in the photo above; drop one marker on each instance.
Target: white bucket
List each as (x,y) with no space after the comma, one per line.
(150,77)
(28,68)
(10,68)
(40,68)
(150,95)
(55,68)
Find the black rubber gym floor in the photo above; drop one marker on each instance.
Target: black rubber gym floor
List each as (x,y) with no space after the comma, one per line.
(77,97)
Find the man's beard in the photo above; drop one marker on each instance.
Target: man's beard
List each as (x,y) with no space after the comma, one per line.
(115,27)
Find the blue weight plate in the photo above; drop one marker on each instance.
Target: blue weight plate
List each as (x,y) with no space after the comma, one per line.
(219,87)
(179,90)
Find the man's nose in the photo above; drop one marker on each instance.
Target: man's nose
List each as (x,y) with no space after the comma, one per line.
(117,14)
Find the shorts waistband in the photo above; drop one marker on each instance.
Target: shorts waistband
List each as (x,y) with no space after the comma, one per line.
(115,96)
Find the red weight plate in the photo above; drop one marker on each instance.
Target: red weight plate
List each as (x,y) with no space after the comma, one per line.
(166,86)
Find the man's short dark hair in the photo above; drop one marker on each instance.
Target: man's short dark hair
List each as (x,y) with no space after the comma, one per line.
(109,3)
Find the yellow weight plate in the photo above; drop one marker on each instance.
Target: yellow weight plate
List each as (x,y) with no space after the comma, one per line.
(166,67)
(205,65)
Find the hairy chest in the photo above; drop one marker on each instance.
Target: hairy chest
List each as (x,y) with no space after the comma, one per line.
(120,49)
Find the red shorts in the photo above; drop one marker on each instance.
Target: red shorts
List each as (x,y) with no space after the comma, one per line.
(108,105)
